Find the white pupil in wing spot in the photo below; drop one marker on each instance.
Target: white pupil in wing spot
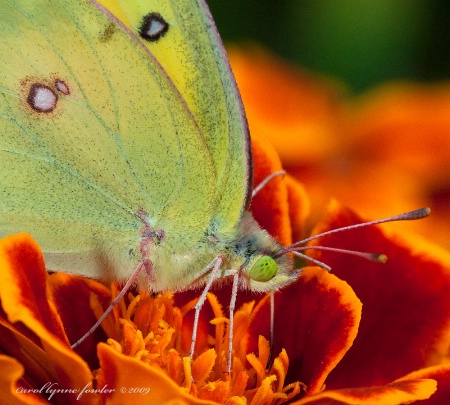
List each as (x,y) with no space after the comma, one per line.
(41,98)
(155,28)
(62,87)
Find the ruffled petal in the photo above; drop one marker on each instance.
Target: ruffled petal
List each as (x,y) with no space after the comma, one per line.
(13,390)
(406,311)
(45,354)
(316,321)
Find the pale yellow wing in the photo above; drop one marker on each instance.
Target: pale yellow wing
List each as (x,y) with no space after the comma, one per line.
(183,37)
(118,143)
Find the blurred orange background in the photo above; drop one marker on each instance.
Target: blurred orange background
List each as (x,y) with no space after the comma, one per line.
(354,96)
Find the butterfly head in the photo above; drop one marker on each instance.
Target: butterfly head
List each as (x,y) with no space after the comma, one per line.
(260,259)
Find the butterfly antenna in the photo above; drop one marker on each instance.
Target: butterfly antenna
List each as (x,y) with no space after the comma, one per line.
(374,257)
(407,216)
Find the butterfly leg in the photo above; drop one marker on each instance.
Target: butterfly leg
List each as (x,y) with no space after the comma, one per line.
(261,185)
(231,314)
(272,328)
(126,287)
(215,267)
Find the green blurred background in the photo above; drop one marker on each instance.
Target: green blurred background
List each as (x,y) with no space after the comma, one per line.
(361,42)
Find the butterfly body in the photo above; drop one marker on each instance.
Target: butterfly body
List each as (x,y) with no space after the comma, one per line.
(117,151)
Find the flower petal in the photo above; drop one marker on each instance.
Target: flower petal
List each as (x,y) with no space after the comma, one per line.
(23,285)
(294,110)
(406,311)
(23,296)
(140,384)
(273,198)
(396,393)
(439,373)
(398,120)
(12,391)
(316,321)
(299,207)
(67,292)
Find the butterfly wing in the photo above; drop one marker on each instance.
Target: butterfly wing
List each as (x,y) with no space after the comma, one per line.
(191,51)
(93,134)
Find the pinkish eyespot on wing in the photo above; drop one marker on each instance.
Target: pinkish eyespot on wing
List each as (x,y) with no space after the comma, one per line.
(62,87)
(42,98)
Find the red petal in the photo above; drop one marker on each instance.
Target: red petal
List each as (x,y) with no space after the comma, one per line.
(270,205)
(316,321)
(406,305)
(70,295)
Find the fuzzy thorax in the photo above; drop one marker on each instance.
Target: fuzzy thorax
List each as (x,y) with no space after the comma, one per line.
(240,248)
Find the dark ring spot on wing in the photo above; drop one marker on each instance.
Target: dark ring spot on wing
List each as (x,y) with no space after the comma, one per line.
(42,98)
(153,27)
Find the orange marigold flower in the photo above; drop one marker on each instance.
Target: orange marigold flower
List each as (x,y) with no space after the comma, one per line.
(144,358)
(326,351)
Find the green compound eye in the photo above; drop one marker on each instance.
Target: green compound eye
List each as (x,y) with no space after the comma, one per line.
(263,269)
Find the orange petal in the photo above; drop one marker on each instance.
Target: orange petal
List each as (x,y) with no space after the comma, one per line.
(217,391)
(140,384)
(396,393)
(175,366)
(67,292)
(23,285)
(264,394)
(203,365)
(12,390)
(396,122)
(439,373)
